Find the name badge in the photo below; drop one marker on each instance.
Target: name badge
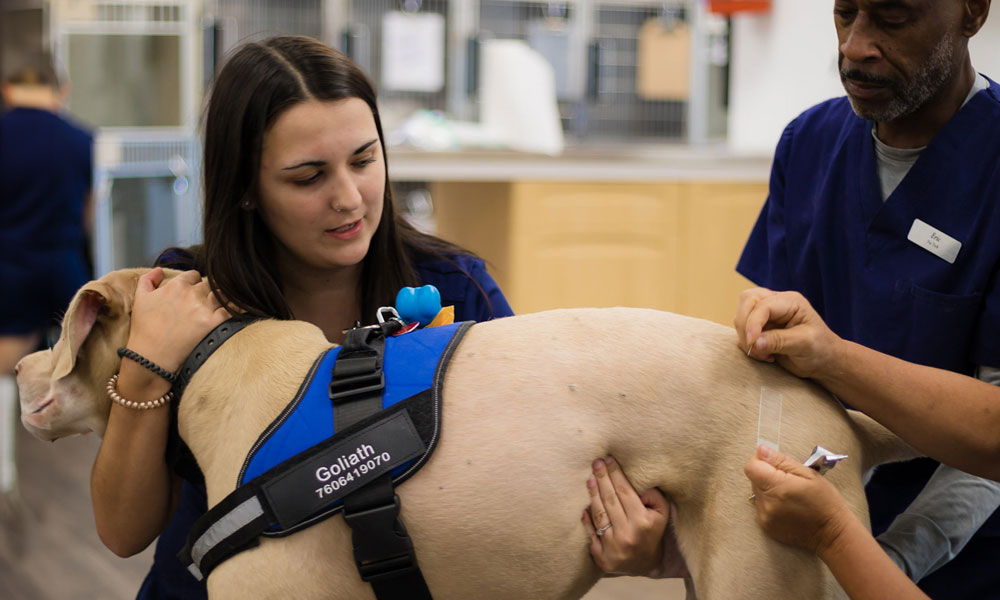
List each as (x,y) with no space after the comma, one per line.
(936,242)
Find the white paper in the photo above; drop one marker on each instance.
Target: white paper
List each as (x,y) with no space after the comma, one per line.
(934,241)
(413,52)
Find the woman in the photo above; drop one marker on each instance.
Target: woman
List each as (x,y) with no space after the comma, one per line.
(46,163)
(299,223)
(799,507)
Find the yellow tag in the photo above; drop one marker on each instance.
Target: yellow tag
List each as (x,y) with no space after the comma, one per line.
(446,316)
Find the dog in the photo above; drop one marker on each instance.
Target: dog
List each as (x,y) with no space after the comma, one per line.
(529,401)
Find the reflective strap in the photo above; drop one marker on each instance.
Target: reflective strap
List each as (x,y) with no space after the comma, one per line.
(231,523)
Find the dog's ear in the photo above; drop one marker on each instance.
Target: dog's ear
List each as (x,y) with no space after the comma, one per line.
(84,310)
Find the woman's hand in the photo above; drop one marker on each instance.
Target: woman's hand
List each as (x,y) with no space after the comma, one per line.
(783,326)
(169,320)
(795,504)
(798,506)
(634,538)
(132,490)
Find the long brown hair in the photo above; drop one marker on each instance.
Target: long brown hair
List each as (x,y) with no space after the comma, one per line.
(257,84)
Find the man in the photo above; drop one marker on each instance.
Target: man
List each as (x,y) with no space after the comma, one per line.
(45,181)
(883,212)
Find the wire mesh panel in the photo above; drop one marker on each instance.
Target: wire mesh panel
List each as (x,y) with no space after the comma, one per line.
(508,19)
(363,41)
(554,29)
(616,110)
(255,20)
(134,73)
(609,107)
(131,11)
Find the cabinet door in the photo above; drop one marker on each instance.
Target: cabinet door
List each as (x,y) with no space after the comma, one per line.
(670,246)
(715,223)
(476,216)
(593,244)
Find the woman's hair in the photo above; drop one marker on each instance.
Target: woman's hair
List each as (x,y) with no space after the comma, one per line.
(257,84)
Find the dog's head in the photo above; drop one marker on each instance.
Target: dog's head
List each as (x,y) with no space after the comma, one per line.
(63,389)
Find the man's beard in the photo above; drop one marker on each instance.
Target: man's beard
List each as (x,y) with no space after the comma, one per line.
(907,96)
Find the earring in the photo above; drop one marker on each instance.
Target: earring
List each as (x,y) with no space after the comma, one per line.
(245,204)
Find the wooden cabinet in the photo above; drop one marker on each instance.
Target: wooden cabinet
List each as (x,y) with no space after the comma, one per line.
(715,223)
(670,246)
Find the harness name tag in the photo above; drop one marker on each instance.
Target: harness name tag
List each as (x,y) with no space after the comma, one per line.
(936,242)
(343,468)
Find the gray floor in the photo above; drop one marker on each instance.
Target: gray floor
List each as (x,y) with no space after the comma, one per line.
(50,550)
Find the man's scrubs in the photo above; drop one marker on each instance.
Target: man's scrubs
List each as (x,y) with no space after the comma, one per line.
(826,232)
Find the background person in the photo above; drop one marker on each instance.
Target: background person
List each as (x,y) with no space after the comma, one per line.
(882,212)
(861,187)
(46,165)
(299,223)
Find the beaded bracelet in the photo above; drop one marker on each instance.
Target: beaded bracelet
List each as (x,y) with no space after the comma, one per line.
(118,399)
(133,355)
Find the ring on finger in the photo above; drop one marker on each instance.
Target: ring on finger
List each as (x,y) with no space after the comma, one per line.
(601,531)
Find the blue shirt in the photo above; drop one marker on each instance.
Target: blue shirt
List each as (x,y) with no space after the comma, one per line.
(825,232)
(466,285)
(46,166)
(45,176)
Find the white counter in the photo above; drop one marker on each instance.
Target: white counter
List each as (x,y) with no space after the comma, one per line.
(632,164)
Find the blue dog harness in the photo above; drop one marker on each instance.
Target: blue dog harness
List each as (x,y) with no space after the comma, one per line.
(367,417)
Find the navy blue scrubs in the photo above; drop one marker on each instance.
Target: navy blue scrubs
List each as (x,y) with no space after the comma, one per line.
(825,232)
(46,166)
(475,296)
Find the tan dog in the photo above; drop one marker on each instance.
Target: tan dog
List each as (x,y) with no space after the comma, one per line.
(529,402)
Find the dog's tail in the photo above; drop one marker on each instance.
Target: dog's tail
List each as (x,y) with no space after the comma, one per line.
(879,445)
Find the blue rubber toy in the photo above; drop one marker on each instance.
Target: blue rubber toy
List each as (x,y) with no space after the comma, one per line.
(420,304)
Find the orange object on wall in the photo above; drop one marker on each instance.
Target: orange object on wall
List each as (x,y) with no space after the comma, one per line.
(728,7)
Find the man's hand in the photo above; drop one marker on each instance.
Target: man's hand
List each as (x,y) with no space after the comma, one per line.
(784,327)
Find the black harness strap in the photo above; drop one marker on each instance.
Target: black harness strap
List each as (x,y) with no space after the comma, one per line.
(358,380)
(178,455)
(276,498)
(383,551)
(209,344)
